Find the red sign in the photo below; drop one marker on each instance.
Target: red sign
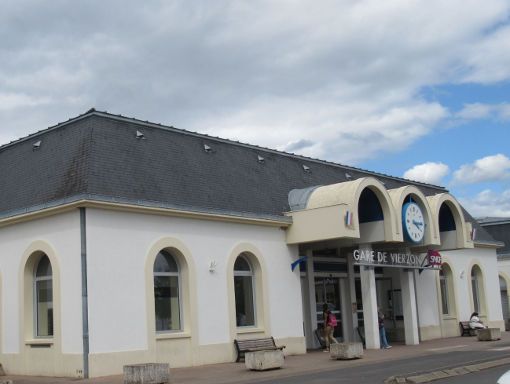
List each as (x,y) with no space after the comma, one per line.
(434,258)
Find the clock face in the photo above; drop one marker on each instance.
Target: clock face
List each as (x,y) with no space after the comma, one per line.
(413,223)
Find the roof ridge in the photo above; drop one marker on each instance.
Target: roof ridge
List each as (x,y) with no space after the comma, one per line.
(92,111)
(46,130)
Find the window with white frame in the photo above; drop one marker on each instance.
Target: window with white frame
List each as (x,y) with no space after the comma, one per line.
(475,286)
(43,298)
(244,290)
(167,300)
(444,276)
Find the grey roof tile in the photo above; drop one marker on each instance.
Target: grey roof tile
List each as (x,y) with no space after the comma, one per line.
(98,154)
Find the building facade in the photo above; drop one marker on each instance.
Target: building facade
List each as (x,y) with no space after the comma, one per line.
(499,229)
(124,241)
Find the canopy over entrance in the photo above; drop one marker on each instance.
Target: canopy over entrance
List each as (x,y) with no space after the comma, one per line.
(364,211)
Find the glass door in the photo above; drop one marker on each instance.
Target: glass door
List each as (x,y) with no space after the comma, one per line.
(327,290)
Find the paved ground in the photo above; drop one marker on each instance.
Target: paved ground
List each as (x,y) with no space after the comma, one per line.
(382,363)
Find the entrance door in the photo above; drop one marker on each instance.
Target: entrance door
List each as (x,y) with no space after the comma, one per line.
(327,290)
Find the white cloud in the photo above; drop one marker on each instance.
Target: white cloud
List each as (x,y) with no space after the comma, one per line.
(9,101)
(488,204)
(483,111)
(344,77)
(490,168)
(430,172)
(488,59)
(348,133)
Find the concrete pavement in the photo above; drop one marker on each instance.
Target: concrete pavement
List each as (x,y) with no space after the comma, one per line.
(315,361)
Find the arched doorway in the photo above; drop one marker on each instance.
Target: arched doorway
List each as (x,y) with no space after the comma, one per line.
(503,287)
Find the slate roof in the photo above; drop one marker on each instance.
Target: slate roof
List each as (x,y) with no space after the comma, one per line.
(97,156)
(499,229)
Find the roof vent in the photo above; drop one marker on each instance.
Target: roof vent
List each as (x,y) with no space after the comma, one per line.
(140,135)
(36,145)
(260,159)
(348,176)
(207,148)
(306,168)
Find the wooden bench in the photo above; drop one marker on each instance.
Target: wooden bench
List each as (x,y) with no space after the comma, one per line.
(465,329)
(253,345)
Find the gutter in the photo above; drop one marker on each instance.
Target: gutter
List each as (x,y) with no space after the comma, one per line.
(100,201)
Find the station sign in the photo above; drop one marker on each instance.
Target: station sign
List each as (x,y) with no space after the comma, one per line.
(430,260)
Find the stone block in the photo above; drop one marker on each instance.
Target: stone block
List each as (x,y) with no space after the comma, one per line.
(342,351)
(489,334)
(148,373)
(263,360)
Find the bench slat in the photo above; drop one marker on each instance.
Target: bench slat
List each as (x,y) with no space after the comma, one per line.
(252,345)
(465,329)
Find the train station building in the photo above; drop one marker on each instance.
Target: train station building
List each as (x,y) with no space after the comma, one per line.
(124,242)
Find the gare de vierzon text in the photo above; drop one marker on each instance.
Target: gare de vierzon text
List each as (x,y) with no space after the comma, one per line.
(382,257)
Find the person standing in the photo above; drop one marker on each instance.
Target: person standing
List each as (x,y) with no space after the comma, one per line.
(329,326)
(382,330)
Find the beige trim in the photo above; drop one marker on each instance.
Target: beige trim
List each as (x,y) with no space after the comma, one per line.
(180,354)
(450,328)
(463,228)
(445,321)
(398,197)
(430,332)
(324,216)
(481,288)
(261,296)
(45,212)
(1,312)
(47,360)
(38,362)
(506,277)
(188,293)
(320,224)
(48,341)
(486,245)
(497,324)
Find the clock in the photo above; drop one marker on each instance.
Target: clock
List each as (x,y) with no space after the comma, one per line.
(412,222)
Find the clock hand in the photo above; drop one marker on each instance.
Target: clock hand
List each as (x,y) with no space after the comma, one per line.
(418,224)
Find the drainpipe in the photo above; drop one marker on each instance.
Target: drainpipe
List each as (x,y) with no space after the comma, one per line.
(84,292)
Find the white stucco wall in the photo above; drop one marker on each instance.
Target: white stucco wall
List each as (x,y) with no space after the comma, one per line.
(504,269)
(461,262)
(427,295)
(62,234)
(118,246)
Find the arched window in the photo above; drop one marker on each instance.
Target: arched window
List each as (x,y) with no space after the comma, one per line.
(167,302)
(43,298)
(445,283)
(504,298)
(477,289)
(244,292)
(369,207)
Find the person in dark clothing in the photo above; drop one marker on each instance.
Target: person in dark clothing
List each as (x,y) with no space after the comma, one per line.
(382,330)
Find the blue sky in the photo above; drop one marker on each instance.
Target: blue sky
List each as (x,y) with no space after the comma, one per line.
(461,141)
(457,142)
(418,89)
